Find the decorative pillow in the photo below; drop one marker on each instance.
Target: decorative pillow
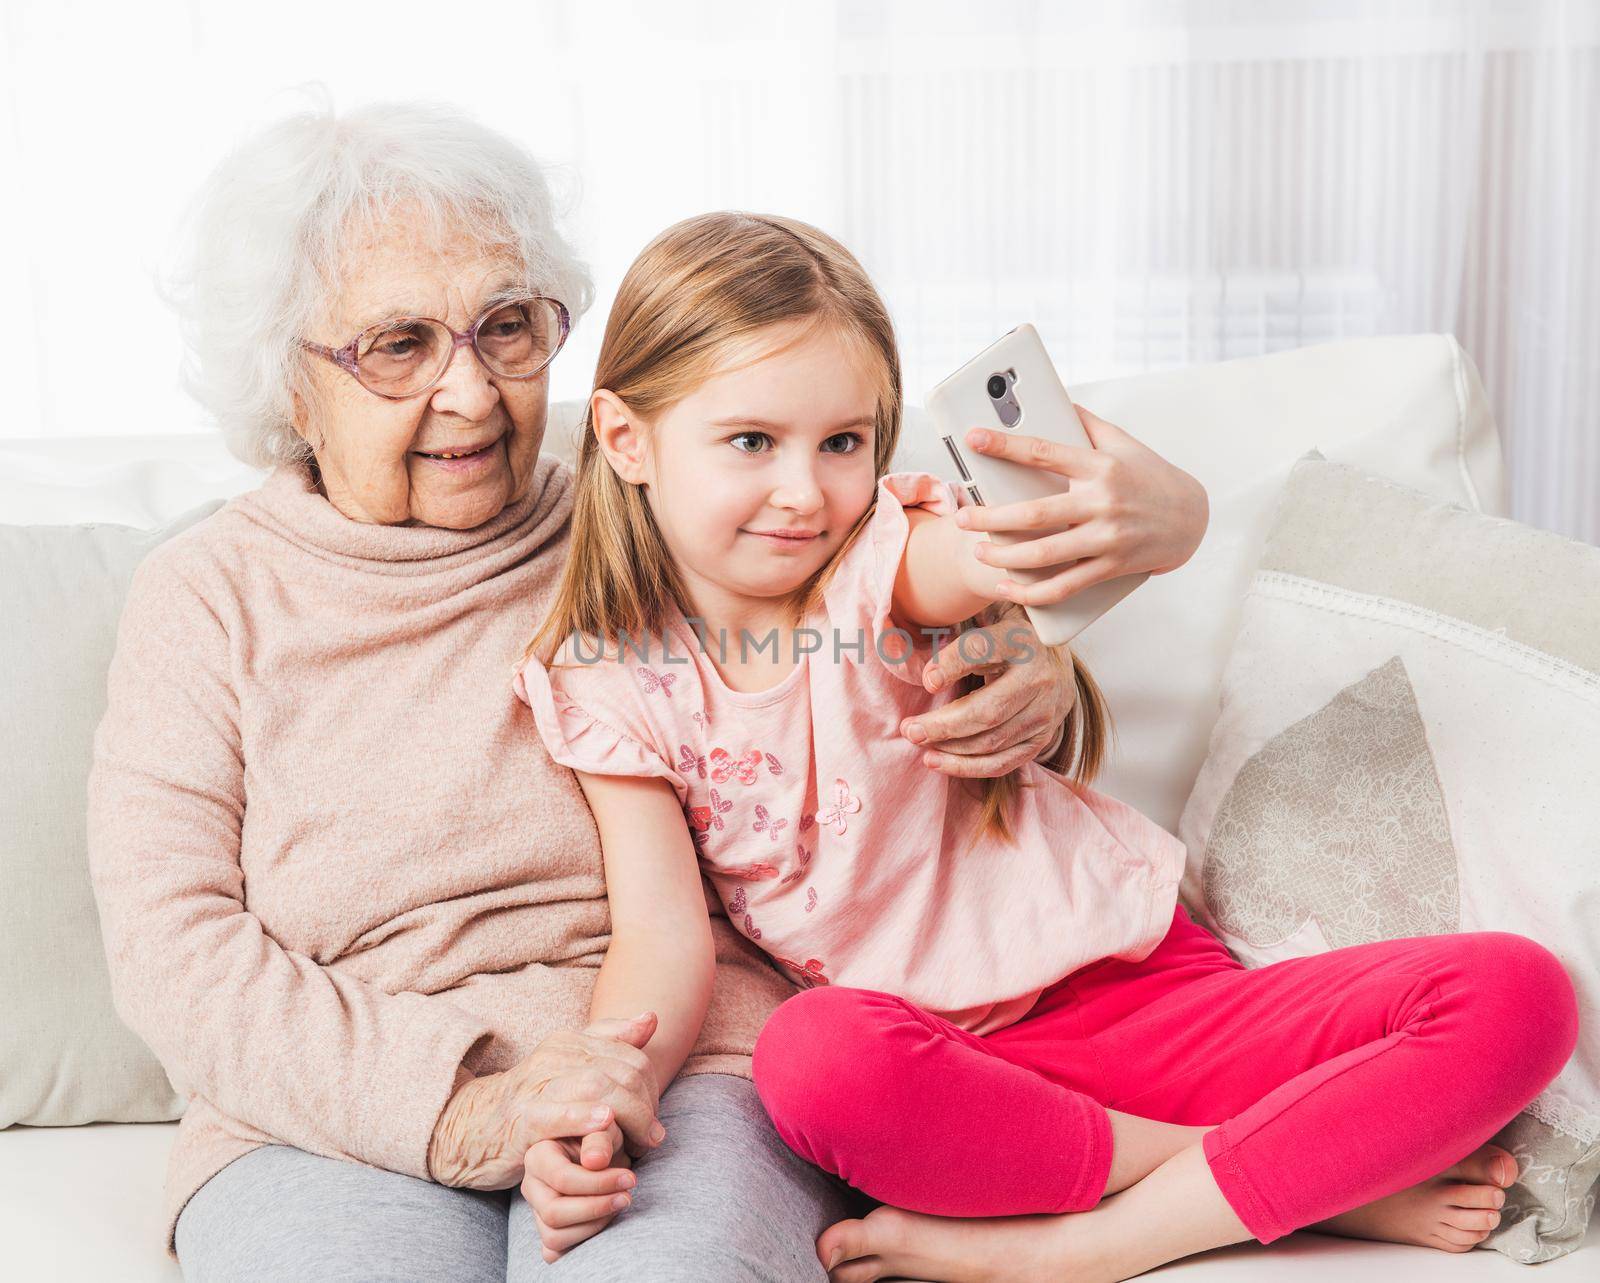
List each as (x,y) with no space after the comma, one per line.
(65,1058)
(1409,744)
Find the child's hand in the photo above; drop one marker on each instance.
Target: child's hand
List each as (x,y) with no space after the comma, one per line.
(575,1187)
(1128,508)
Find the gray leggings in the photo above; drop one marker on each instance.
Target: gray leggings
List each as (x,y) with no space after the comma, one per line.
(723,1200)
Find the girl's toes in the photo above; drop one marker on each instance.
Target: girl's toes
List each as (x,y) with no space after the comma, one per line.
(1504,1165)
(1445,1244)
(889,1229)
(842,1242)
(1463,1239)
(1474,1195)
(1479,1220)
(1487,1165)
(866,1270)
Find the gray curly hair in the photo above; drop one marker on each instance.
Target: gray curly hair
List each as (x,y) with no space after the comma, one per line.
(263,243)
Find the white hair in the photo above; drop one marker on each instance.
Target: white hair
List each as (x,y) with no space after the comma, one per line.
(265,238)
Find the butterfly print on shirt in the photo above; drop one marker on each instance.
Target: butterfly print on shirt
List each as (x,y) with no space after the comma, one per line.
(725,766)
(756,871)
(738,903)
(690,761)
(654,681)
(770,825)
(843,804)
(802,859)
(773,764)
(706,818)
(809,974)
(811,898)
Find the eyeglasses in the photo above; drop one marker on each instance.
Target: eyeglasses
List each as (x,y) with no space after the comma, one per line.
(406,356)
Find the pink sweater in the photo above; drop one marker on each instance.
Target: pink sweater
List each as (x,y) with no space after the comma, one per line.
(332,859)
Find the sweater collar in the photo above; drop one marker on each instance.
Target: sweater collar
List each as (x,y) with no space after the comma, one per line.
(290,503)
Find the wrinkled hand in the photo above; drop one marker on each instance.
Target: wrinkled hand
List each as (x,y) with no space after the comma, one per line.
(577,1083)
(1012,718)
(1128,508)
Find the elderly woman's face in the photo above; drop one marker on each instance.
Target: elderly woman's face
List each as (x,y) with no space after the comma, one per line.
(377,457)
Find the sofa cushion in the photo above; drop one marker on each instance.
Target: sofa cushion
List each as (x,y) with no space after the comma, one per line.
(1407,746)
(66,1058)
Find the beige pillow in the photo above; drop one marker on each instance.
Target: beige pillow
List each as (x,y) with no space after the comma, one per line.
(66,1058)
(1408,744)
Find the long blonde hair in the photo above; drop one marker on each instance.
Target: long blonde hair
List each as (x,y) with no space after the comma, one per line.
(698,291)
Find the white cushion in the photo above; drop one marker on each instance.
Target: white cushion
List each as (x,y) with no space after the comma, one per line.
(84,1203)
(1407,748)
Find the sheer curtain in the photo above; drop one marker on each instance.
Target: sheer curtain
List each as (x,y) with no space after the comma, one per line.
(1150,183)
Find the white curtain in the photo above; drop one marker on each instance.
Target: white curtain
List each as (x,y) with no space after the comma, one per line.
(1150,183)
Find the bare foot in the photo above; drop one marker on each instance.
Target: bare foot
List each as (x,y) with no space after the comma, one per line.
(1175,1211)
(1454,1211)
(890,1243)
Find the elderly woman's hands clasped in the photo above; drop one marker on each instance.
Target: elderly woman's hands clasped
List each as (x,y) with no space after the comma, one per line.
(561,1123)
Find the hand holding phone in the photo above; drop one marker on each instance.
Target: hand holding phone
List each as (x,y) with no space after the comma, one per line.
(1011,389)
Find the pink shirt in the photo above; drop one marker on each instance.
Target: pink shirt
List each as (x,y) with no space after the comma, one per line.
(829,842)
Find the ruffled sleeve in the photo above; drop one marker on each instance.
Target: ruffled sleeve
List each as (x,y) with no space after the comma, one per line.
(861,592)
(585,720)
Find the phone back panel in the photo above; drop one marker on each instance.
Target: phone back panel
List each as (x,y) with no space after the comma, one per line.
(962,402)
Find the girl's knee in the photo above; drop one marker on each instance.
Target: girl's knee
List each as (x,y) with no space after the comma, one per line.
(821,1044)
(1532,997)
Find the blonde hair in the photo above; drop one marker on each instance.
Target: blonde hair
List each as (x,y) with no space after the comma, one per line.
(700,291)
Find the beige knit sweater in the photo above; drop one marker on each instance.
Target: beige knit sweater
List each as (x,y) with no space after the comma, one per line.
(331,856)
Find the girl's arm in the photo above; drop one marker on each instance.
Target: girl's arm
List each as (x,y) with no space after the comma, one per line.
(941,581)
(661,958)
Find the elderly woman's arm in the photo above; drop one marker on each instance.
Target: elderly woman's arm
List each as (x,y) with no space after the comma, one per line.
(319,1060)
(322,1061)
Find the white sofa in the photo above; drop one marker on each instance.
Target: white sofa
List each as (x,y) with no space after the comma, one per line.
(82,1202)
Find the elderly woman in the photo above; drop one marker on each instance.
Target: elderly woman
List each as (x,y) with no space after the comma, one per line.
(347,898)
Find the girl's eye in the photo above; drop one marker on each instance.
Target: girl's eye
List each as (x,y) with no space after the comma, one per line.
(748,436)
(846,443)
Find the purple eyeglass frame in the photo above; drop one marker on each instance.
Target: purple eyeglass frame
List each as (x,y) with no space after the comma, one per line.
(345,357)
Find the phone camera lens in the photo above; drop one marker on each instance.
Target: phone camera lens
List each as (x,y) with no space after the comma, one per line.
(997,387)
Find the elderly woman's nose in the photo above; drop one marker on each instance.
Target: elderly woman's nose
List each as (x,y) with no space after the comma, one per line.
(466,388)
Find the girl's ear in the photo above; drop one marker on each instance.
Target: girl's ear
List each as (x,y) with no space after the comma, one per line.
(620,436)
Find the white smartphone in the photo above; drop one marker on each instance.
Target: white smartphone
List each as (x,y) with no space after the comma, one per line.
(1011,386)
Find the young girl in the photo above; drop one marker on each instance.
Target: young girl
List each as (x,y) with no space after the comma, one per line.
(990,968)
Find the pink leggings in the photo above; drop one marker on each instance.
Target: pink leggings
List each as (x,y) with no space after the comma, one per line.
(1335,1079)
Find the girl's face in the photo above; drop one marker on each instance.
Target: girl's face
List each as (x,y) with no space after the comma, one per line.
(757,477)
